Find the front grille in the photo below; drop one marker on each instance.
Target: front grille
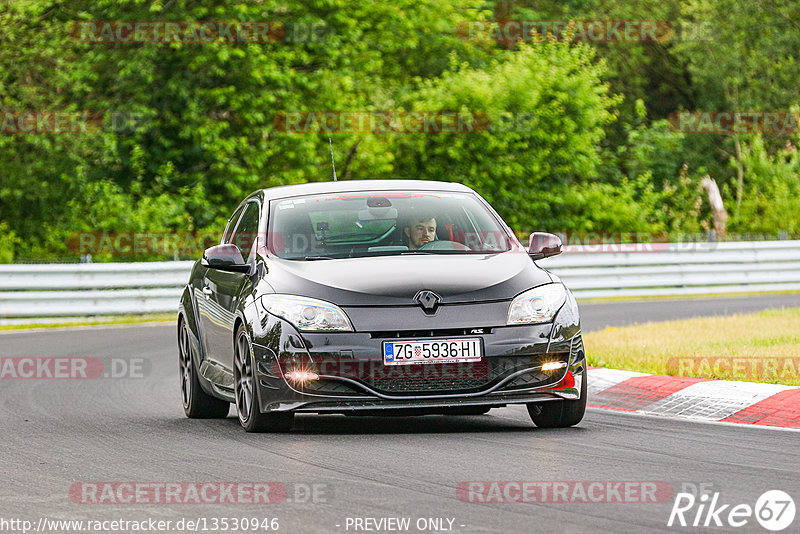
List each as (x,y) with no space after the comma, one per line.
(434,378)
(454,377)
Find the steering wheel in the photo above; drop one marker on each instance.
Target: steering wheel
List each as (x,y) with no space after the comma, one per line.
(443,244)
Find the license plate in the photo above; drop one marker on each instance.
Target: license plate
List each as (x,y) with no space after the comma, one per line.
(434,351)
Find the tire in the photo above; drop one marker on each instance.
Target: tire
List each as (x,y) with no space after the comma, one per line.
(246,392)
(197,404)
(559,414)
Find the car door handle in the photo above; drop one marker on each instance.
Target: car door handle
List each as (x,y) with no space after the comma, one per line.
(207,292)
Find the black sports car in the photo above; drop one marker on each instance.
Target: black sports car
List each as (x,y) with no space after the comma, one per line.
(377,297)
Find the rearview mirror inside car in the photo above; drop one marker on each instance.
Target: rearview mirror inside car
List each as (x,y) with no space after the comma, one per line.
(377,214)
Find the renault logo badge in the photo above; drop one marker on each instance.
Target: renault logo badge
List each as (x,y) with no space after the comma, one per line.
(428,300)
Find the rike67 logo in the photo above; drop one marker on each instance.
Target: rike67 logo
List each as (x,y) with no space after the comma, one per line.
(774,510)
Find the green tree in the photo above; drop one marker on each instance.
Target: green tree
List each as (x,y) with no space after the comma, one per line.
(772,191)
(547,107)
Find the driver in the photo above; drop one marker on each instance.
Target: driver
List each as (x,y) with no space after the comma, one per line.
(419,229)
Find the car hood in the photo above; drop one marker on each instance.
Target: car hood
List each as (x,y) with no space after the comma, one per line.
(395,280)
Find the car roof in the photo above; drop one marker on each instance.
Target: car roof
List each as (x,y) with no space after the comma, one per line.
(346,186)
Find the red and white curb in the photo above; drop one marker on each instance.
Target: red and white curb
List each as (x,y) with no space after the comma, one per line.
(696,398)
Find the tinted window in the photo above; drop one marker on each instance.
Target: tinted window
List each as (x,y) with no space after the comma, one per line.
(247,230)
(226,235)
(351,225)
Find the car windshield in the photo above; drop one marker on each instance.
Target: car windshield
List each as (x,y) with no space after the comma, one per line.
(382,223)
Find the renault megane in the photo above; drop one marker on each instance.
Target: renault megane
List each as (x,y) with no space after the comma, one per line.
(377,297)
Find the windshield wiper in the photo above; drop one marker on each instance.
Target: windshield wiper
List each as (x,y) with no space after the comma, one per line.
(316,258)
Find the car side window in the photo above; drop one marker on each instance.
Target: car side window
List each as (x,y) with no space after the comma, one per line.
(246,232)
(228,233)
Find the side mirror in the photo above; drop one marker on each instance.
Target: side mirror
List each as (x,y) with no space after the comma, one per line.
(544,245)
(225,258)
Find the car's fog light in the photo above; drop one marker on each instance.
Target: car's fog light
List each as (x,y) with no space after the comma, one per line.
(301,376)
(552,366)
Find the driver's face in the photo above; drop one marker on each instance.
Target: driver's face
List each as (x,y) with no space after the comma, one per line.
(420,232)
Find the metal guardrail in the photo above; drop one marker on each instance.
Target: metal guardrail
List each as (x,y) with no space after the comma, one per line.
(91,288)
(679,269)
(28,291)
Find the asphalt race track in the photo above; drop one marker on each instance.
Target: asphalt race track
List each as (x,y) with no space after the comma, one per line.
(60,432)
(596,316)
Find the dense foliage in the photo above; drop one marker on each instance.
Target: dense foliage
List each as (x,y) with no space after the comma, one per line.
(577,135)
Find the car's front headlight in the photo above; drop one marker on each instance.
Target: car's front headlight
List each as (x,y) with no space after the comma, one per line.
(537,305)
(307,314)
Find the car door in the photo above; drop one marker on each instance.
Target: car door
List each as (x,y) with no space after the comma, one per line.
(222,289)
(202,298)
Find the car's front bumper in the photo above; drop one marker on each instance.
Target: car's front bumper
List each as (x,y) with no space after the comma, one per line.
(353,378)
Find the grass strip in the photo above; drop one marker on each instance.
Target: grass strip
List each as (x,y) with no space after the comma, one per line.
(755,347)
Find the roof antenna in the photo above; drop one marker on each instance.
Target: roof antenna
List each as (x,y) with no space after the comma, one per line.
(332,162)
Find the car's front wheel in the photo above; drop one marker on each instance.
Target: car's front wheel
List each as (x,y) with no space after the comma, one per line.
(246,392)
(559,414)
(197,404)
